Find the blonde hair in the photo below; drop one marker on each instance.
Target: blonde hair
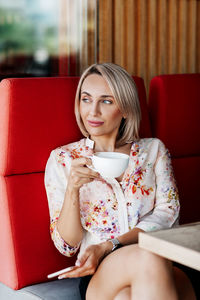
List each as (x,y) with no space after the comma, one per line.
(124,91)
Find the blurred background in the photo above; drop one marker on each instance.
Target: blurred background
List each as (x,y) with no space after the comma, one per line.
(62,37)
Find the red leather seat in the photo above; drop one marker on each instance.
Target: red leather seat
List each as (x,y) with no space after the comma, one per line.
(174,104)
(37,115)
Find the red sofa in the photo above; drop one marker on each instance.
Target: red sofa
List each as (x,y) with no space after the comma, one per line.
(37,116)
(174,108)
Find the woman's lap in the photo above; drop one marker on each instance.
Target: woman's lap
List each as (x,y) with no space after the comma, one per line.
(114,273)
(111,275)
(114,270)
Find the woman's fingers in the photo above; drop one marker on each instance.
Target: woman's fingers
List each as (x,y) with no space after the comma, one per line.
(82,161)
(85,172)
(79,168)
(87,263)
(88,268)
(81,173)
(79,271)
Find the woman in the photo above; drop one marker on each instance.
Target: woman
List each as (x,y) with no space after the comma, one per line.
(100,215)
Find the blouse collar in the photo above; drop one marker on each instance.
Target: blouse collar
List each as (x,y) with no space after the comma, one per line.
(89,143)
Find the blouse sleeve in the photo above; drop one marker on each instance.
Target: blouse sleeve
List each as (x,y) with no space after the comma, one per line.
(166,208)
(56,175)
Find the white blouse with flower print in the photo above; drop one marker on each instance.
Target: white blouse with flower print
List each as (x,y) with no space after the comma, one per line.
(146,198)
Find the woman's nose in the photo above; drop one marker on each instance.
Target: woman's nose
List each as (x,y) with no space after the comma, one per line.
(94,109)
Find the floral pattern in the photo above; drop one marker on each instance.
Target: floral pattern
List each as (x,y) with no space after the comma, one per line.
(146,198)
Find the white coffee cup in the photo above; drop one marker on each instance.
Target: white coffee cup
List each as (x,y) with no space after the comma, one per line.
(110,164)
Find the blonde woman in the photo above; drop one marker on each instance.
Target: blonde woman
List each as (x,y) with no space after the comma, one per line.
(102,217)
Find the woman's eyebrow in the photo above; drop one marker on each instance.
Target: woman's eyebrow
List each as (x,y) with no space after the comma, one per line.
(107,96)
(86,93)
(102,96)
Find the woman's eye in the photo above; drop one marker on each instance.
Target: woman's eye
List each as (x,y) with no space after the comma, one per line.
(107,101)
(86,100)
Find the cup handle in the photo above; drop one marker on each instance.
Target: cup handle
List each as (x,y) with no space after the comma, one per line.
(90,167)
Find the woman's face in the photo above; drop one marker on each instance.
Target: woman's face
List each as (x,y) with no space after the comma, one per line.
(98,108)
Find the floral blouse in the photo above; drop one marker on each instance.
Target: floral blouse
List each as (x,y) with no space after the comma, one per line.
(146,198)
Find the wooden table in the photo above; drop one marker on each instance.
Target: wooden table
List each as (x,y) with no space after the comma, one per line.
(180,244)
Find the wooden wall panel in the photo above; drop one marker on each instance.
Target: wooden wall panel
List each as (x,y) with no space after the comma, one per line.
(141,42)
(181,36)
(130,34)
(150,37)
(172,37)
(161,32)
(146,37)
(105,31)
(119,32)
(191,37)
(198,37)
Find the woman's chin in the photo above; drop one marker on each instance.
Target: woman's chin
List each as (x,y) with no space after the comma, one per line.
(95,131)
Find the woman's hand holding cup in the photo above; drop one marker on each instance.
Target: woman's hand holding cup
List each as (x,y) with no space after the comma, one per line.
(81,173)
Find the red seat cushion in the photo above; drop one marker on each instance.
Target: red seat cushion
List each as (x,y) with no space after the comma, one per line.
(37,116)
(27,253)
(174,103)
(186,170)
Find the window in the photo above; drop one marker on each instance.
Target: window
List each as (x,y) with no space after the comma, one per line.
(47,38)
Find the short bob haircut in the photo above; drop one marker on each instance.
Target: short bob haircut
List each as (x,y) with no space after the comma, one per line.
(124,91)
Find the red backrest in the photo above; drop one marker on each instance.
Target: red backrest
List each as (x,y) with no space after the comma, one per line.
(174,104)
(145,127)
(37,115)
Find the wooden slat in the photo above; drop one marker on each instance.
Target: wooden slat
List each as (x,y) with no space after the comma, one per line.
(105,30)
(198,38)
(119,33)
(172,37)
(130,30)
(152,39)
(191,36)
(181,36)
(161,37)
(141,43)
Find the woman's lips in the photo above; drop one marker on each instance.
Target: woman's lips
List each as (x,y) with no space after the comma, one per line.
(95,123)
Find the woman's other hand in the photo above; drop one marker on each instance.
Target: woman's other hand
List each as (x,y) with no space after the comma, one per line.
(88,262)
(80,173)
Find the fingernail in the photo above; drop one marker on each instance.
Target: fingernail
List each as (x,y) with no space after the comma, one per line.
(61,277)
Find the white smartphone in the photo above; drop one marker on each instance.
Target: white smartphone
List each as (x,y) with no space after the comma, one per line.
(61,272)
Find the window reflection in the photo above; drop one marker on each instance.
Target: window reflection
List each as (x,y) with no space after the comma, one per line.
(47,38)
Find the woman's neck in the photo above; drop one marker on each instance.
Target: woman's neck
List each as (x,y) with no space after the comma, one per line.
(109,145)
(104,145)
